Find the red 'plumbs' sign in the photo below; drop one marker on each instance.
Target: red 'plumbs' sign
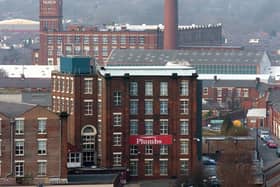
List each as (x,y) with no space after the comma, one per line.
(151,140)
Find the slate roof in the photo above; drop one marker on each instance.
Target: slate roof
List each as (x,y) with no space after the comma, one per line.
(25,83)
(140,57)
(14,109)
(230,83)
(92,178)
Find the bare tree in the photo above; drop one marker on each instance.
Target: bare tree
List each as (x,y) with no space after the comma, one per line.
(235,165)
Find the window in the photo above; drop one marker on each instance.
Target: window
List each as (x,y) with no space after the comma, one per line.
(219,92)
(133,127)
(117,98)
(163,165)
(105,39)
(123,40)
(184,88)
(163,88)
(19,168)
(77,50)
(0,126)
(148,167)
(105,51)
(163,106)
(117,139)
(114,40)
(117,159)
(163,127)
(99,91)
(42,168)
(133,167)
(148,107)
(74,157)
(141,40)
(238,92)
(133,109)
(19,126)
(132,40)
(184,106)
(148,88)
(205,91)
(133,149)
(245,92)
(88,107)
(88,138)
(88,86)
(184,147)
(117,120)
(184,127)
(148,127)
(163,149)
(42,126)
(95,39)
(86,39)
(184,167)
(133,89)
(42,147)
(148,149)
(19,147)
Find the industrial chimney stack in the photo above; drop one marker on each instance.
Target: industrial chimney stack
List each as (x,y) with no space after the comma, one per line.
(170,24)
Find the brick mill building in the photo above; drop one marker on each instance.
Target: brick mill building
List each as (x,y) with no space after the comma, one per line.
(144,119)
(99,42)
(31,145)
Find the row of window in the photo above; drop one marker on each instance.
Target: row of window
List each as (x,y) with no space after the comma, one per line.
(98,39)
(62,104)
(163,88)
(41,166)
(41,147)
(163,167)
(41,126)
(62,84)
(163,106)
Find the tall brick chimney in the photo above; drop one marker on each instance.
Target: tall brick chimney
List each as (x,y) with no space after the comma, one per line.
(170,24)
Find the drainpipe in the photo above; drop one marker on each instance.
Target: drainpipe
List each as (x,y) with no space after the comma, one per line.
(12,122)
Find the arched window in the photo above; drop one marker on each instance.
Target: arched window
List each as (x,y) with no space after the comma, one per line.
(88,135)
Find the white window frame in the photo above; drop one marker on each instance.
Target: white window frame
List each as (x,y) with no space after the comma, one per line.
(117,119)
(149,127)
(133,127)
(163,149)
(163,167)
(19,173)
(19,126)
(149,106)
(133,167)
(19,148)
(163,106)
(163,88)
(88,84)
(148,149)
(148,167)
(133,106)
(117,159)
(133,88)
(42,148)
(163,126)
(184,88)
(184,146)
(133,150)
(117,98)
(117,139)
(148,88)
(184,106)
(42,127)
(42,171)
(88,107)
(184,127)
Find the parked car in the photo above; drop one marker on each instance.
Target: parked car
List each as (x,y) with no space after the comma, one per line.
(267,139)
(278,151)
(208,161)
(271,144)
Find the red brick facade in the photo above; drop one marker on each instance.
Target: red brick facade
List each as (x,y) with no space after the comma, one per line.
(32,153)
(173,114)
